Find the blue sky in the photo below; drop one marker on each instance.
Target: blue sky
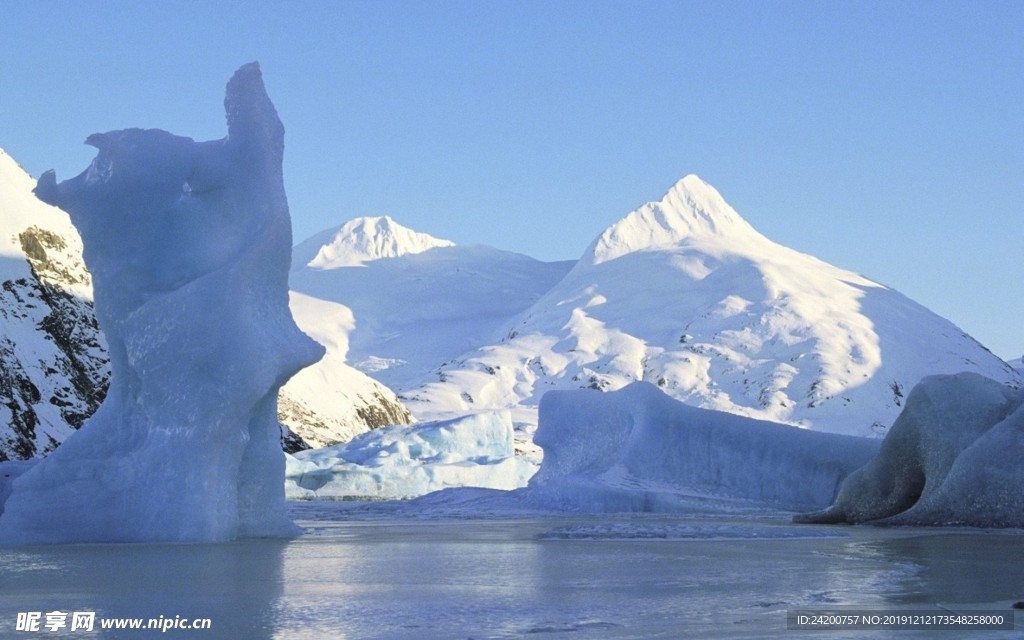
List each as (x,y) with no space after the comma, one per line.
(887,138)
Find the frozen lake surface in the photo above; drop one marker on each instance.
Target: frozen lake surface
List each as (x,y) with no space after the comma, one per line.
(391,570)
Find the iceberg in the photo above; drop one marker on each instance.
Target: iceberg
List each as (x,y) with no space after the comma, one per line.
(189,245)
(637,449)
(409,461)
(953,457)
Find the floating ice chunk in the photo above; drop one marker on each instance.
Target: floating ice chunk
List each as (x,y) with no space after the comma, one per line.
(409,461)
(189,246)
(637,449)
(955,456)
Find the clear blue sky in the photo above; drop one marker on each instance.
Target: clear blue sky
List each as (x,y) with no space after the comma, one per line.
(885,137)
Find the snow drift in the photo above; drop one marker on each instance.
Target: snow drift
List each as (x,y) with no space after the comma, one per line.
(955,456)
(189,247)
(637,449)
(405,462)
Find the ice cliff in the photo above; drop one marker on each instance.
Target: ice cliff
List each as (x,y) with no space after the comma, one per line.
(189,247)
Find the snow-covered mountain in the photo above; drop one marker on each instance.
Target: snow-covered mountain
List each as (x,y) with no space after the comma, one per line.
(53,363)
(53,360)
(685,294)
(430,302)
(1018,364)
(362,240)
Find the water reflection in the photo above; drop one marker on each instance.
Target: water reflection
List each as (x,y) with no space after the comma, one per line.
(236,585)
(962,567)
(509,579)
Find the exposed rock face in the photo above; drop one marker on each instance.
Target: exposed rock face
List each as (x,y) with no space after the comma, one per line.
(307,429)
(53,358)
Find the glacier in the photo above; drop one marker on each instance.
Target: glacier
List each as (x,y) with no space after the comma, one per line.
(953,457)
(189,245)
(409,461)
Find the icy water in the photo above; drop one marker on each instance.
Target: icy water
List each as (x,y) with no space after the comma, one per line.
(387,572)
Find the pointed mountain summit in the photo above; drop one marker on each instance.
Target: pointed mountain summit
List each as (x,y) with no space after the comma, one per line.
(692,209)
(685,294)
(360,241)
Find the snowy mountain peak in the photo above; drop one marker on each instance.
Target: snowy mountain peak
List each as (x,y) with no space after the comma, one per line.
(691,209)
(360,241)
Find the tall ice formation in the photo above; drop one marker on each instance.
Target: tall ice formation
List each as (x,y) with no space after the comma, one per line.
(189,245)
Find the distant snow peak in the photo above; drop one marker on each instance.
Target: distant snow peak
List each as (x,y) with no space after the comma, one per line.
(1018,364)
(369,238)
(691,209)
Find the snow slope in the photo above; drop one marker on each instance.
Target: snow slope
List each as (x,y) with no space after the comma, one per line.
(330,402)
(427,303)
(685,294)
(53,360)
(1017,364)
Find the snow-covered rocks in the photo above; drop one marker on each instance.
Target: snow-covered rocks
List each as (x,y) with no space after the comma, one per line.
(637,449)
(955,456)
(330,402)
(189,247)
(405,462)
(53,359)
